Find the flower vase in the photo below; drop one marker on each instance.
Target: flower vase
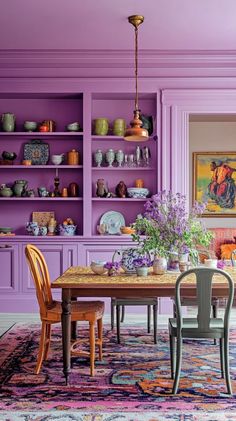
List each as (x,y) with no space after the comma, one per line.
(143,271)
(159,265)
(173,262)
(183,257)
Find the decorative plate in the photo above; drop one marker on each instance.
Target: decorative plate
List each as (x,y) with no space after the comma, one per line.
(113,220)
(37,151)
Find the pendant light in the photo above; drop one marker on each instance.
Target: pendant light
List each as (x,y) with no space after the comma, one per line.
(136,132)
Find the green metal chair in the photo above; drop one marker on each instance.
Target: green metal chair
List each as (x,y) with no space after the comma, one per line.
(122,302)
(203,326)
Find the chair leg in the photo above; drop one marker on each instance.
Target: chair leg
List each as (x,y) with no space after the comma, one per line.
(41,348)
(112,315)
(48,340)
(226,364)
(118,324)
(155,323)
(99,324)
(178,364)
(92,346)
(222,358)
(122,314)
(214,313)
(148,318)
(172,356)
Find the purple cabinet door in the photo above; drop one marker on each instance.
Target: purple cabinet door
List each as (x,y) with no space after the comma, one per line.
(9,264)
(97,252)
(58,258)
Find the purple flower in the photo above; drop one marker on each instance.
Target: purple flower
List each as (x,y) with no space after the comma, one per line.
(142,261)
(220,264)
(112,265)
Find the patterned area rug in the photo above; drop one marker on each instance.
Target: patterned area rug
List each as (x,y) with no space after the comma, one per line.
(134,377)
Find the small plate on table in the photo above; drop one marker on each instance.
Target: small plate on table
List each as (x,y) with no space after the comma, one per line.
(113,220)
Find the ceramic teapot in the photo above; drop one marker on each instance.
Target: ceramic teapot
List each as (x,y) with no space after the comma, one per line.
(128,256)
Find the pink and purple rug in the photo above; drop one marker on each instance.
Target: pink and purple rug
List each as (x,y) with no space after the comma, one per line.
(133,378)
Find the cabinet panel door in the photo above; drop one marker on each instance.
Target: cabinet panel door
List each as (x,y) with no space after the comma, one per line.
(54,258)
(70,256)
(97,252)
(9,264)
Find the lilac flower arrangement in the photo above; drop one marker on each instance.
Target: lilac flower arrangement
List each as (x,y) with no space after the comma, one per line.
(168,226)
(142,261)
(112,265)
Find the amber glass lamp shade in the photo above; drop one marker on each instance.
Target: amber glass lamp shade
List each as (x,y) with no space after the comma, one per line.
(136,132)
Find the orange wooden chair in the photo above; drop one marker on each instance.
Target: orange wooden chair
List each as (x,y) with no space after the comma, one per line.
(50,310)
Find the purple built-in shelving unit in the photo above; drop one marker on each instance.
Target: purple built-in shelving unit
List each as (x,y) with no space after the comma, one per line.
(87,209)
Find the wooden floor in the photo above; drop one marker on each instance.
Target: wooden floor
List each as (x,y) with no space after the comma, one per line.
(7,320)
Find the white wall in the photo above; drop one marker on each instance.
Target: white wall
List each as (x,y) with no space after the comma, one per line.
(207,136)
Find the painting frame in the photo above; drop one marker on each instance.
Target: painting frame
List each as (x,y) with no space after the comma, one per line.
(205,167)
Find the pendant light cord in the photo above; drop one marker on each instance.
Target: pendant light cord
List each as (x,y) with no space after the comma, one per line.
(136,68)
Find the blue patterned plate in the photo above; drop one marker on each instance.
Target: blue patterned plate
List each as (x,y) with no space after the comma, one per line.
(113,220)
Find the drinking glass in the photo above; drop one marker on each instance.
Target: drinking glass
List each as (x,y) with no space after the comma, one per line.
(131,162)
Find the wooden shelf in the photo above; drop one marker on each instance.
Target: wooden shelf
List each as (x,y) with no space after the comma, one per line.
(107,137)
(41,134)
(50,199)
(50,166)
(123,168)
(112,137)
(118,199)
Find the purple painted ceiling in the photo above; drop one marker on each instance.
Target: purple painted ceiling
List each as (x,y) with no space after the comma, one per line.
(102,24)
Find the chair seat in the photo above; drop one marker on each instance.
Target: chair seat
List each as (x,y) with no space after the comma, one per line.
(80,310)
(189,324)
(132,301)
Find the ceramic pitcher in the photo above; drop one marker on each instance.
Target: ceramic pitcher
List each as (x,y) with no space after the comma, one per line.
(8,122)
(127,258)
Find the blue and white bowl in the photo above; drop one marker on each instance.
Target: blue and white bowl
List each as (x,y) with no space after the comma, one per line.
(67,229)
(137,192)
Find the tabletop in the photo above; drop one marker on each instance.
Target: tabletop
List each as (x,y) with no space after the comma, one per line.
(82,277)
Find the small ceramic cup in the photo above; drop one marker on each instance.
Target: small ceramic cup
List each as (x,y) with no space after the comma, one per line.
(57,159)
(43,231)
(64,192)
(211,263)
(27,162)
(139,182)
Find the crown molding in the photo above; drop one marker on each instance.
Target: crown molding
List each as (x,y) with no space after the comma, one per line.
(152,63)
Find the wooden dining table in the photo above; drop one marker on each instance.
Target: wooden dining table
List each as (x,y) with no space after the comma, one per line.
(78,281)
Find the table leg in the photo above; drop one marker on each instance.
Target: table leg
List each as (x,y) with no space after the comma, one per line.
(66,331)
(73,325)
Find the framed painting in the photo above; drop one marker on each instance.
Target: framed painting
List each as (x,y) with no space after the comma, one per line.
(214,182)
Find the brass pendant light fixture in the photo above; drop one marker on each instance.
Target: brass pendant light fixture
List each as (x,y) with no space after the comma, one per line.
(136,132)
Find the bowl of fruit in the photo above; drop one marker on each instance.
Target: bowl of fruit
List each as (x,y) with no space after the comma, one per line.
(68,227)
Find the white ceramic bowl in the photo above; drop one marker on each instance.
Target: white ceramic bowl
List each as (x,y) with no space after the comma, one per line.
(57,159)
(137,192)
(30,126)
(98,267)
(73,127)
